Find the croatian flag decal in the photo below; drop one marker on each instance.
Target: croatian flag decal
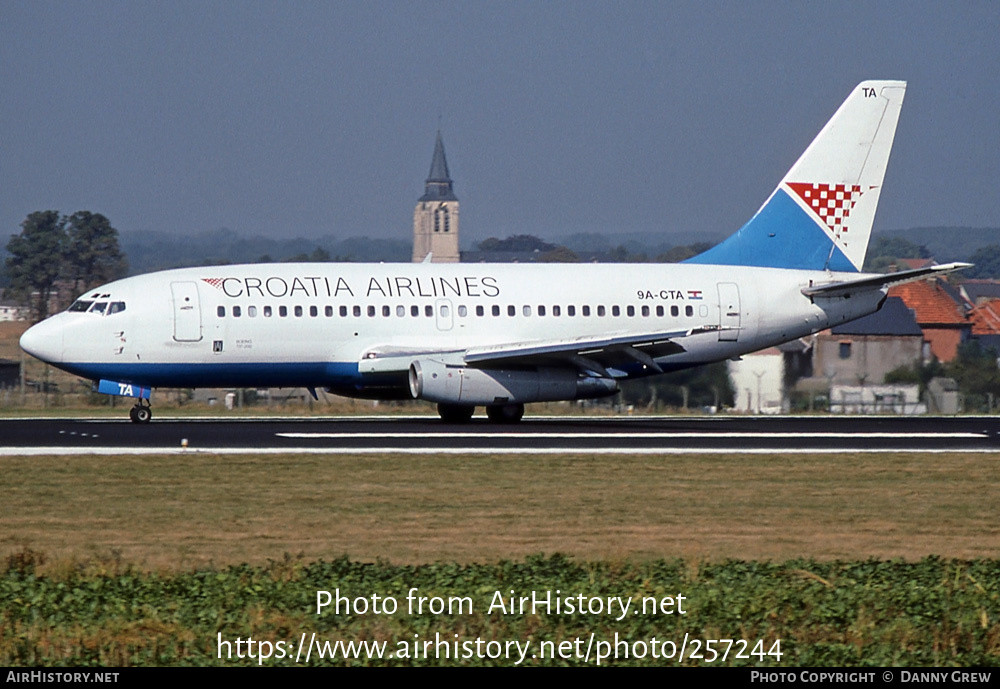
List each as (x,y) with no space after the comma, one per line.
(694,294)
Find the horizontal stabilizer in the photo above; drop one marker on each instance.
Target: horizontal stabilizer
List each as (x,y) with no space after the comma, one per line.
(844,289)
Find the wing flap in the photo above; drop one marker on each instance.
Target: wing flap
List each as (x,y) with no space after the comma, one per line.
(587,354)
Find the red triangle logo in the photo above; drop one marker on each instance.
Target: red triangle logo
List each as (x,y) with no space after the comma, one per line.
(832,203)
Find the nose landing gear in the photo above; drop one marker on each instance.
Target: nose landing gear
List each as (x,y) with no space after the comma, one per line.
(140,413)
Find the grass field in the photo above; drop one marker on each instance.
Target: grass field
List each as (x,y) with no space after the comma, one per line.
(186,511)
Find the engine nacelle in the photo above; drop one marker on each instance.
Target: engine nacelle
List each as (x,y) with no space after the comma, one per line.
(437,382)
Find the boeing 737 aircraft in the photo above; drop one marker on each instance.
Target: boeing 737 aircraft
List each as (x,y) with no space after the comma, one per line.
(503,335)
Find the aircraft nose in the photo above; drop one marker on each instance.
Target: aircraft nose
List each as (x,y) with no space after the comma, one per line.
(44,341)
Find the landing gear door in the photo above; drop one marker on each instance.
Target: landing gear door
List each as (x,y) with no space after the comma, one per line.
(729,312)
(187,311)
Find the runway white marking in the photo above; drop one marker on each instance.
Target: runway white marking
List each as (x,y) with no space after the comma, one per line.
(651,434)
(80,451)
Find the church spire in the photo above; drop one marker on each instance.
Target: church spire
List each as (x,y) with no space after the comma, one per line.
(435,219)
(438,185)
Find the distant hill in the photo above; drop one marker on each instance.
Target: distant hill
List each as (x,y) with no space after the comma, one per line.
(649,243)
(149,251)
(947,244)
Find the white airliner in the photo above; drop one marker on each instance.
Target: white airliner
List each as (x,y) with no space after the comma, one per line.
(503,335)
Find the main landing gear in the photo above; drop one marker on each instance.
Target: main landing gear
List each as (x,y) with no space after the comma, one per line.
(497,413)
(140,413)
(505,413)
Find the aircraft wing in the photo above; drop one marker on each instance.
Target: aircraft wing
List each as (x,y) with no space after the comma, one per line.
(587,354)
(848,287)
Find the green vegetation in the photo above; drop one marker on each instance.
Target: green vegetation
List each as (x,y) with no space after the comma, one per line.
(55,254)
(975,370)
(870,613)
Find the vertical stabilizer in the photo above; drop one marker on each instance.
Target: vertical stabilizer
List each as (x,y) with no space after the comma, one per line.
(821,215)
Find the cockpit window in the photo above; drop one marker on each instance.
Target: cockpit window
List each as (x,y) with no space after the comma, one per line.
(115,307)
(99,307)
(80,305)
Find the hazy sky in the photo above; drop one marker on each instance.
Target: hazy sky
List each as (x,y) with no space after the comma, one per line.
(311,118)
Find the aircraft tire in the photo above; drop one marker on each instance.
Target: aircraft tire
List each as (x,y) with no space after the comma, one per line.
(142,414)
(505,413)
(132,416)
(456,413)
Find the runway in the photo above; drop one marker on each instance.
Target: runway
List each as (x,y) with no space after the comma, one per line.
(534,435)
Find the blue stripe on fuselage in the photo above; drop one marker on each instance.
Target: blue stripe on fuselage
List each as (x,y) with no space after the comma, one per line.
(780,235)
(219,375)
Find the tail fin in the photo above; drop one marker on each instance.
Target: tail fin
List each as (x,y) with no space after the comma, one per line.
(820,216)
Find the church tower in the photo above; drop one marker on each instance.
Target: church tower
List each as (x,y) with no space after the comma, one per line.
(435,219)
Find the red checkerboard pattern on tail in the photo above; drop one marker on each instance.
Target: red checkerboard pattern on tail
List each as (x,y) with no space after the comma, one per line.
(831,202)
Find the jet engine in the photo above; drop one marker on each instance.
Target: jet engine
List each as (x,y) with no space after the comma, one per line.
(438,382)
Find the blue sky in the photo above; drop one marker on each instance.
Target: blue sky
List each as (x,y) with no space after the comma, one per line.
(318,118)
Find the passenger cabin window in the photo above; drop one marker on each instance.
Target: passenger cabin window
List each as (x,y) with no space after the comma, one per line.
(570,310)
(480,311)
(556,311)
(343,312)
(541,310)
(283,311)
(252,311)
(601,311)
(298,312)
(511,310)
(415,311)
(221,312)
(267,312)
(237,312)
(630,310)
(313,311)
(616,311)
(688,310)
(496,310)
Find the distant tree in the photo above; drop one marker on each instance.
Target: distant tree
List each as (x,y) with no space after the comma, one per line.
(37,260)
(676,254)
(986,263)
(619,254)
(93,256)
(975,370)
(559,254)
(516,242)
(885,251)
(320,255)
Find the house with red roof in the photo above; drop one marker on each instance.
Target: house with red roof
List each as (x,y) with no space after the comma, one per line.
(941,312)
